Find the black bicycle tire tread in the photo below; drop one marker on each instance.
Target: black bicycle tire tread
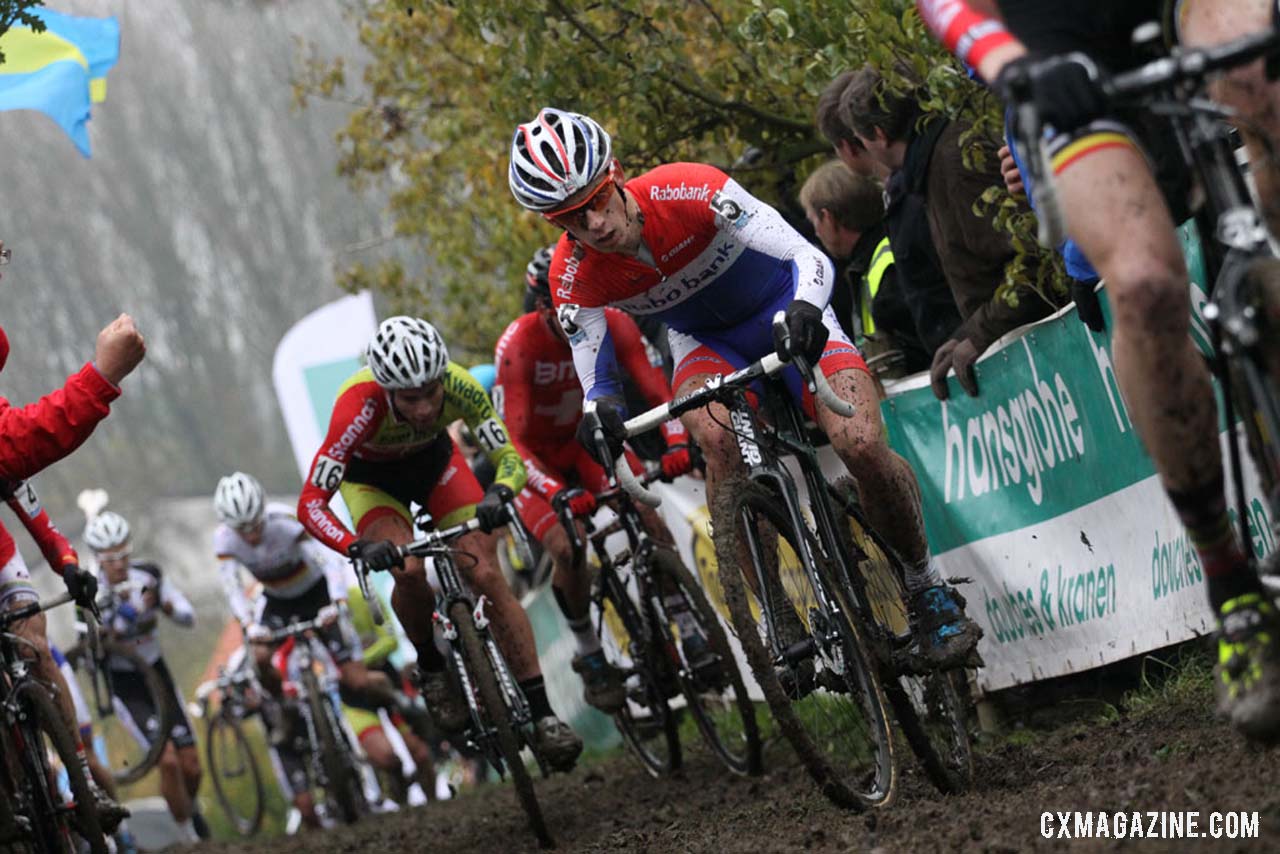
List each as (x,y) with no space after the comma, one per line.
(629,615)
(942,777)
(255,823)
(157,689)
(666,560)
(480,670)
(51,722)
(725,513)
(342,785)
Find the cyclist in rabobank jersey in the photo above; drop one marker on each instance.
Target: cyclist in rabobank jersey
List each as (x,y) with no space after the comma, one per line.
(388,447)
(686,243)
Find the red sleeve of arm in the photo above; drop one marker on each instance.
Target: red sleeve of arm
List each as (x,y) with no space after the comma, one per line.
(967,33)
(513,394)
(56,548)
(355,418)
(41,433)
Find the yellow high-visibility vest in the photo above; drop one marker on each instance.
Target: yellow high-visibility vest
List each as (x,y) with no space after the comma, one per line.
(881,260)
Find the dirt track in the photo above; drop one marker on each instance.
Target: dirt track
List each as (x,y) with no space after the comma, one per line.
(1172,756)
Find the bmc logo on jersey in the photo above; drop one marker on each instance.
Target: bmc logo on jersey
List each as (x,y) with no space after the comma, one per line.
(546,373)
(682,193)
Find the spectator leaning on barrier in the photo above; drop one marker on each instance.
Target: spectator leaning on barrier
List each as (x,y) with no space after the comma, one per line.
(928,295)
(847,214)
(926,157)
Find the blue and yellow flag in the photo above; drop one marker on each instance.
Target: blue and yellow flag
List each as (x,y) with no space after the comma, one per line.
(60,71)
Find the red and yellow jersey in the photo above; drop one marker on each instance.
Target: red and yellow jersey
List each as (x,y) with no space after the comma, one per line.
(366,427)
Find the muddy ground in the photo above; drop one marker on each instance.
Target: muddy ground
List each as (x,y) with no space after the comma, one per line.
(1161,751)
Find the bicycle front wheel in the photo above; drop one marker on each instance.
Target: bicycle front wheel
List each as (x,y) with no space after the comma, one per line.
(646,721)
(832,709)
(61,817)
(497,714)
(709,677)
(237,782)
(933,708)
(343,786)
(133,746)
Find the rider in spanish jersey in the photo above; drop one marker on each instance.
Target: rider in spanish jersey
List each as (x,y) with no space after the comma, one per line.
(16,589)
(301,580)
(1123,185)
(137,594)
(685,243)
(387,447)
(540,400)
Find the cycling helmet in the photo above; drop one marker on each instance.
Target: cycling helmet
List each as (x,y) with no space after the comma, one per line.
(556,155)
(239,500)
(406,352)
(537,276)
(106,531)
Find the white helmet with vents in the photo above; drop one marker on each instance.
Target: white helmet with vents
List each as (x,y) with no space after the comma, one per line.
(406,352)
(556,155)
(239,500)
(106,532)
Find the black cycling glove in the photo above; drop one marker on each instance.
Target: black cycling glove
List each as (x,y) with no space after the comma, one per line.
(81,584)
(1066,90)
(1088,307)
(379,555)
(807,332)
(491,512)
(610,415)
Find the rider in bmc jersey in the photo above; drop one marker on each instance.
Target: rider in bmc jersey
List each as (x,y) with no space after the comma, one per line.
(388,447)
(1112,168)
(540,400)
(137,594)
(685,243)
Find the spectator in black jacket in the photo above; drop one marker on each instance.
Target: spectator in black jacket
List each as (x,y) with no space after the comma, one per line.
(924,288)
(933,189)
(847,214)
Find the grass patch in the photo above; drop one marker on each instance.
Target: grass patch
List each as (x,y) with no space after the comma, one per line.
(1182,681)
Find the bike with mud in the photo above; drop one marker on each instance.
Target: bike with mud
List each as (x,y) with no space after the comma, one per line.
(833,641)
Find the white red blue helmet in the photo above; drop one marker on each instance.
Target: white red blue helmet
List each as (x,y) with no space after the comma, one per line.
(406,352)
(556,155)
(239,500)
(106,532)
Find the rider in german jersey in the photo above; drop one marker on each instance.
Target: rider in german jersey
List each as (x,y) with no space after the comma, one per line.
(388,447)
(301,580)
(1053,57)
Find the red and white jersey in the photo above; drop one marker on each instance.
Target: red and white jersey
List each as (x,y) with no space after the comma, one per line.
(539,398)
(712,257)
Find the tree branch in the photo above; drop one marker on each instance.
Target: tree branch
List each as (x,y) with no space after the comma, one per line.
(718,103)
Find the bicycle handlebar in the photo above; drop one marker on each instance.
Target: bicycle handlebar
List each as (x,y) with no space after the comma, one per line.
(1160,74)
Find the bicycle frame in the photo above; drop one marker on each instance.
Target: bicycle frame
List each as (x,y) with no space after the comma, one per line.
(298,653)
(435,544)
(640,548)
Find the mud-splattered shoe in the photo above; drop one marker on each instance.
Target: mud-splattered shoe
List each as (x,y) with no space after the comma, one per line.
(945,637)
(1247,675)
